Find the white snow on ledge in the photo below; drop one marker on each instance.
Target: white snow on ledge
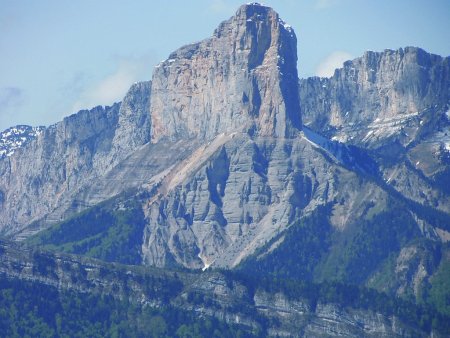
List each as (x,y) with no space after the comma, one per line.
(16,137)
(286,26)
(255,4)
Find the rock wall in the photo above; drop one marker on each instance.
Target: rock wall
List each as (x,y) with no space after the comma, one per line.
(48,171)
(378,97)
(234,195)
(243,78)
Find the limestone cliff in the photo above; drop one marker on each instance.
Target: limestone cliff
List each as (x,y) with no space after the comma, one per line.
(244,78)
(214,153)
(378,98)
(48,171)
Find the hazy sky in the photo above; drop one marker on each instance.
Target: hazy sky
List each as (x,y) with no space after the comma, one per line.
(59,56)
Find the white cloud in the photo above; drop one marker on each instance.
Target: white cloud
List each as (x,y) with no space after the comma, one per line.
(10,97)
(335,60)
(114,86)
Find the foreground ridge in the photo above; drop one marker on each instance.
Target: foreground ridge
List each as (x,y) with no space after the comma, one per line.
(255,306)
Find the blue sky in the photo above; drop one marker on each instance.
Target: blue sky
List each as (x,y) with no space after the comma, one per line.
(59,56)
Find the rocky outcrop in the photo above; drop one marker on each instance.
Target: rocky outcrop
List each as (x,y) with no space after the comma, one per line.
(214,152)
(65,156)
(396,104)
(378,98)
(244,78)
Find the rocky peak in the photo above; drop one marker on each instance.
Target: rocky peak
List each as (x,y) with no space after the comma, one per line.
(243,78)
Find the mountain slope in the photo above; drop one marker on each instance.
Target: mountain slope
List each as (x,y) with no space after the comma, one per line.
(379,98)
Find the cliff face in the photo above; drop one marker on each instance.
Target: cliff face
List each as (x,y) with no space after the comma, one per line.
(61,159)
(17,137)
(257,173)
(378,98)
(244,78)
(133,126)
(47,172)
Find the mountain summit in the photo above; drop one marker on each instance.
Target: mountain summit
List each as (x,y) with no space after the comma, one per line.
(243,78)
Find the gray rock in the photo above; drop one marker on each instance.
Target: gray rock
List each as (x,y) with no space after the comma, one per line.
(215,142)
(238,192)
(17,137)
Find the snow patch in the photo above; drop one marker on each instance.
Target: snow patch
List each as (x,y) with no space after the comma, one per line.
(205,262)
(17,137)
(286,26)
(331,147)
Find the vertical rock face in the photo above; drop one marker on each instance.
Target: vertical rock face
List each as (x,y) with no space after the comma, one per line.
(234,192)
(243,78)
(133,128)
(396,102)
(378,97)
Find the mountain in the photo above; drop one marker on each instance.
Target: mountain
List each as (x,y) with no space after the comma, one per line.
(226,160)
(394,104)
(379,98)
(17,137)
(243,79)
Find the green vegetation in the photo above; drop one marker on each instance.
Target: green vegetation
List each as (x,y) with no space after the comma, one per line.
(423,317)
(107,232)
(360,250)
(439,293)
(303,246)
(311,250)
(442,179)
(36,310)
(30,309)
